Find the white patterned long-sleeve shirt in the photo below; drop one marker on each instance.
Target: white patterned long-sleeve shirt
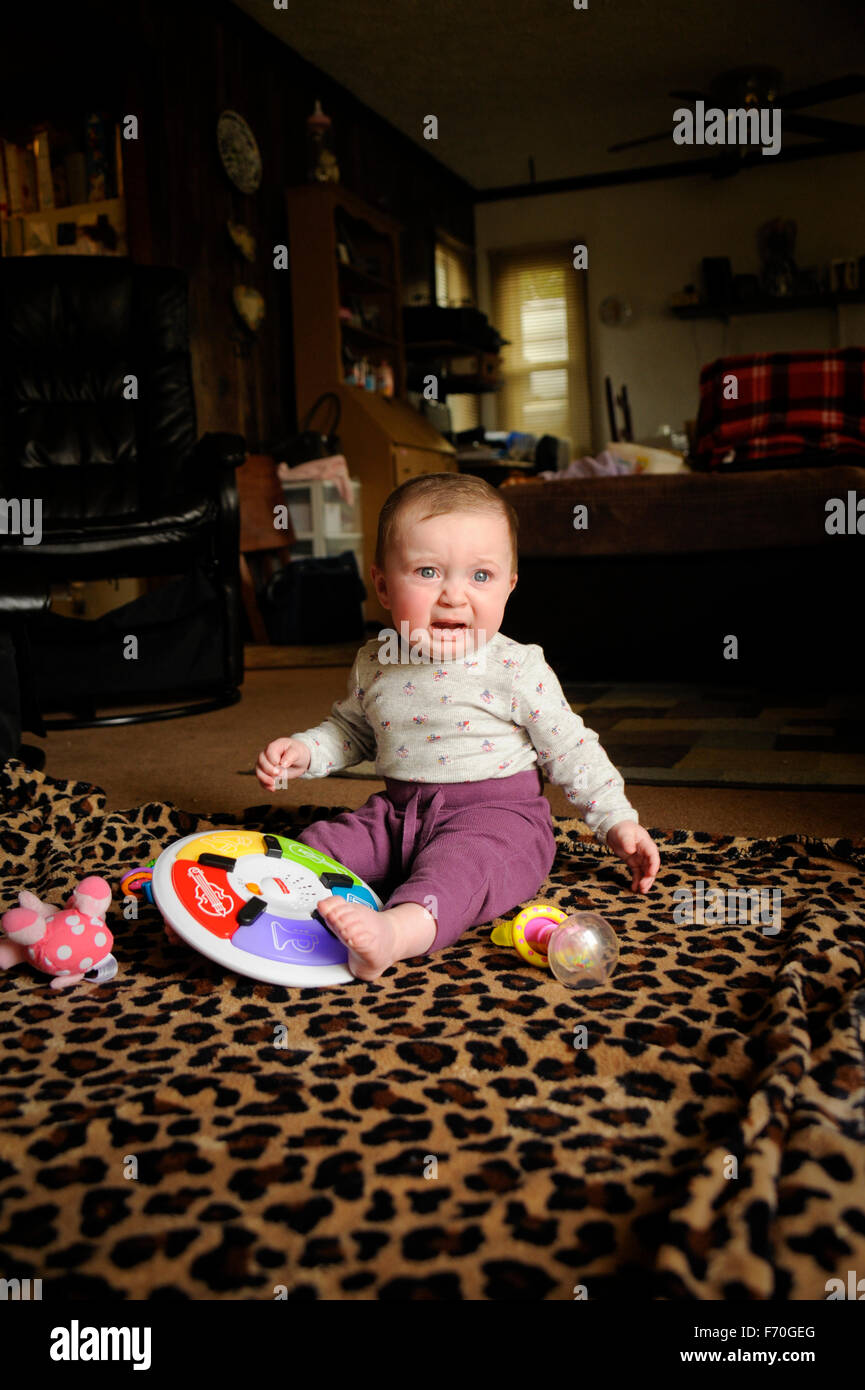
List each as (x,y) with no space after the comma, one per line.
(491,714)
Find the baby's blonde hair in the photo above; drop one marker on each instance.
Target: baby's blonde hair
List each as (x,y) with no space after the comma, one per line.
(437,494)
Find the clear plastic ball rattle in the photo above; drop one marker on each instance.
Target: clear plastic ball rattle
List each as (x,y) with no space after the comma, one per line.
(583,951)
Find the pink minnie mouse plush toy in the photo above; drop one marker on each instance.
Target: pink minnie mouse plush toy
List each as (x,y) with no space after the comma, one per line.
(71,943)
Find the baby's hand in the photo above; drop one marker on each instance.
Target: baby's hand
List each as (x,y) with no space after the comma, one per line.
(285,757)
(635,845)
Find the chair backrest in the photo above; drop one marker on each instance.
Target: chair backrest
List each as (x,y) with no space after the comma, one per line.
(97,411)
(260,493)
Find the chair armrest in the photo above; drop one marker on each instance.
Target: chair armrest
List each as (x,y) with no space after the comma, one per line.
(215,450)
(216,459)
(211,472)
(211,469)
(20,597)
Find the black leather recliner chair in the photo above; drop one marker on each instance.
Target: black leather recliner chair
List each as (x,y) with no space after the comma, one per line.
(97,419)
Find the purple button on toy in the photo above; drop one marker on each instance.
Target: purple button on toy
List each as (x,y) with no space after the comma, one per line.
(304,942)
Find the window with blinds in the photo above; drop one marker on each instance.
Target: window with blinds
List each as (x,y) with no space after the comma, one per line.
(539,305)
(453,288)
(453,278)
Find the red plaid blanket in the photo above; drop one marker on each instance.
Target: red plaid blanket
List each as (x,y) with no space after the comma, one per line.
(780,405)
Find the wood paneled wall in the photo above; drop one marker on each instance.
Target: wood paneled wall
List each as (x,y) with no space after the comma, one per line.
(177,65)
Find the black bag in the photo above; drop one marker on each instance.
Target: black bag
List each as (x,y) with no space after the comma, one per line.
(181,642)
(547,454)
(311,443)
(315,599)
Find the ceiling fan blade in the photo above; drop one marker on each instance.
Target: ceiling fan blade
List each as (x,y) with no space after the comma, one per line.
(643,140)
(841,132)
(853,85)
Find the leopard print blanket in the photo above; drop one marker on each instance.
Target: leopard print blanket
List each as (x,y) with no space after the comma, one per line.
(441,1133)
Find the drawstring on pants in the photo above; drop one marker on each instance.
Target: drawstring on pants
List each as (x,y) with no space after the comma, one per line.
(410,819)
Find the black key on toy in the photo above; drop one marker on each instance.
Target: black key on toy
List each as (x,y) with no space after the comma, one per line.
(250,912)
(318,917)
(331,880)
(272,847)
(217,861)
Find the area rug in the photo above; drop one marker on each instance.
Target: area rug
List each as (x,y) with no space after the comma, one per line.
(701,736)
(264,658)
(463,1128)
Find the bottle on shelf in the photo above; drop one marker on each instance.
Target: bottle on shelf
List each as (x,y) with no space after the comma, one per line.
(321,160)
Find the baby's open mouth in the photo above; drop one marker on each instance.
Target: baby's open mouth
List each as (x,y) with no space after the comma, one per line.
(447,627)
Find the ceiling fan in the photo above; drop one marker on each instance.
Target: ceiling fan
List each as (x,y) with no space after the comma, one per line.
(763,87)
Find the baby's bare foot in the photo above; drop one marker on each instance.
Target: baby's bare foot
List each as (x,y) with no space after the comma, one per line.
(369,935)
(376,940)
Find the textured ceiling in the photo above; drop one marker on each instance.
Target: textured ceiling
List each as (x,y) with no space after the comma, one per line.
(513,78)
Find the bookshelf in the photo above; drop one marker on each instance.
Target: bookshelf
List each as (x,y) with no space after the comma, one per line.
(347,323)
(62,189)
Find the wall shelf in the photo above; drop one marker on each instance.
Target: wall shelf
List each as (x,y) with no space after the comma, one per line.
(368,334)
(424,358)
(33,162)
(768,306)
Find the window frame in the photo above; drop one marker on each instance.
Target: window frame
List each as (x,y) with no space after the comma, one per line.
(578,365)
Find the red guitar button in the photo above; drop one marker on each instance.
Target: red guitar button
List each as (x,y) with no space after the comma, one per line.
(205,893)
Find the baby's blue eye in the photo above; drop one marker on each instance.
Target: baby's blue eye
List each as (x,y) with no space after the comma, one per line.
(484,573)
(427,571)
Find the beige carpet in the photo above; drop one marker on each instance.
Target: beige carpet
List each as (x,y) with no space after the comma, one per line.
(261,658)
(206,762)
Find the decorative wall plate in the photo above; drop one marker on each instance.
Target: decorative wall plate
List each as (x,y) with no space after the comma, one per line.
(242,238)
(250,305)
(238,151)
(615,310)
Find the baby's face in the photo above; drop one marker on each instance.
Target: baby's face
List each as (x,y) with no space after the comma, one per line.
(447,577)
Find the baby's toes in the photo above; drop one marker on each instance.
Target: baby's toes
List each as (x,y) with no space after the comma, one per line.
(334,909)
(362,939)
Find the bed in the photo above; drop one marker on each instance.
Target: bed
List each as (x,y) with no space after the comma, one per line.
(670,565)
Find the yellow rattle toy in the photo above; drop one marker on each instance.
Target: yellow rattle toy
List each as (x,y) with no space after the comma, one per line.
(580,948)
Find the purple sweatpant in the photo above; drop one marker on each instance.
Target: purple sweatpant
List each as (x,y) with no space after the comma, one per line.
(475,849)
